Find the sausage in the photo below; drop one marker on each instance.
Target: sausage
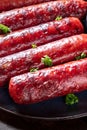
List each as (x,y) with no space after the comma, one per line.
(60,51)
(12,4)
(49,83)
(34,15)
(39,35)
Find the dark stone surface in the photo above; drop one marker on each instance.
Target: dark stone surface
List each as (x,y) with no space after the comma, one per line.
(12,122)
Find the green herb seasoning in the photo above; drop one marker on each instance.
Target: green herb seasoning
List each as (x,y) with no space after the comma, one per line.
(5,29)
(81,56)
(78,57)
(34,45)
(47,60)
(71,99)
(58,18)
(33,69)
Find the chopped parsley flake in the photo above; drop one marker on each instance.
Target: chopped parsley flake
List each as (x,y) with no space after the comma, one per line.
(47,60)
(71,99)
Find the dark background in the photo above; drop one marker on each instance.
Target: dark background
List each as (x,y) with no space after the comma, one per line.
(12,122)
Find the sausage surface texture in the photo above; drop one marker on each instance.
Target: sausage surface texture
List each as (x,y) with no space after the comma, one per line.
(39,35)
(49,83)
(12,4)
(60,51)
(34,15)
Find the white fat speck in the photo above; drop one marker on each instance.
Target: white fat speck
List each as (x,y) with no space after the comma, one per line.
(25,94)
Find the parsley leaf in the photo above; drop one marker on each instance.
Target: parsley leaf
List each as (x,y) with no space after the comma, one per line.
(58,18)
(71,99)
(47,60)
(5,29)
(33,69)
(81,56)
(34,45)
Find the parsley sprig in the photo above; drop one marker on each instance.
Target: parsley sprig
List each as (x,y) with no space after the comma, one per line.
(34,45)
(33,69)
(81,56)
(4,29)
(71,99)
(47,60)
(58,18)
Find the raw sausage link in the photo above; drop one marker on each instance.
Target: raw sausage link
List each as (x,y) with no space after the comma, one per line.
(60,51)
(34,15)
(12,4)
(49,83)
(41,34)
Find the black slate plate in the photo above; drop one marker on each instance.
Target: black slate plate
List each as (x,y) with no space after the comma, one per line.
(54,109)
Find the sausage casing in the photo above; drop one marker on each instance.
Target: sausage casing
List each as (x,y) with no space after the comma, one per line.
(39,35)
(12,4)
(49,83)
(34,15)
(60,51)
